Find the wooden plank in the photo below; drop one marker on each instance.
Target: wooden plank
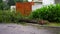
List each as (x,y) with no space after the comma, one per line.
(24,8)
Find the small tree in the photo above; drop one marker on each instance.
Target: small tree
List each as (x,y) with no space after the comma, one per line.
(21,0)
(0,1)
(11,2)
(1,5)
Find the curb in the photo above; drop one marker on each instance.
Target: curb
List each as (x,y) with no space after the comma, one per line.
(50,26)
(43,25)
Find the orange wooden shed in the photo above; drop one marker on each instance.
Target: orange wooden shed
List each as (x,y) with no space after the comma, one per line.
(24,8)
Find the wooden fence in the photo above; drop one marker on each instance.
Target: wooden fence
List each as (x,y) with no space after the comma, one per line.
(24,8)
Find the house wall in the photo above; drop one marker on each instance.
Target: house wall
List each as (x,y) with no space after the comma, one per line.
(36,6)
(13,8)
(48,2)
(43,2)
(57,1)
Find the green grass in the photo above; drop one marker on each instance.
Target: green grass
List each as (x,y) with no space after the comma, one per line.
(22,23)
(53,24)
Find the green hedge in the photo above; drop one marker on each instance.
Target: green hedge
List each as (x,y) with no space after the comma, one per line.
(50,13)
(7,16)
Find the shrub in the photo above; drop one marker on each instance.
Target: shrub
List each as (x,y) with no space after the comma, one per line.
(1,6)
(7,16)
(4,6)
(34,15)
(50,13)
(16,17)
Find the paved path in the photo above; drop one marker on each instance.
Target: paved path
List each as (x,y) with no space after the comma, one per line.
(20,29)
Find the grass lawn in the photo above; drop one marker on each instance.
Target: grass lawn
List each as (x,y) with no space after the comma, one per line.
(53,24)
(50,24)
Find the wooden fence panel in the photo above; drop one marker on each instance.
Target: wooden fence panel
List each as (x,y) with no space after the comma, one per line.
(24,8)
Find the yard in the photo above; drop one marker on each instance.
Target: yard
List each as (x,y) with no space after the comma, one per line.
(54,24)
(42,16)
(44,20)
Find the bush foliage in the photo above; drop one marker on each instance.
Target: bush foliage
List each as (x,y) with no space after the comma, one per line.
(50,13)
(7,16)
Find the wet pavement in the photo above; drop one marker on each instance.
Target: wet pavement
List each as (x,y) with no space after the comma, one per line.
(29,29)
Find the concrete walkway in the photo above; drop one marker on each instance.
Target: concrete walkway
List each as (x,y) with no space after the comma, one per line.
(20,29)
